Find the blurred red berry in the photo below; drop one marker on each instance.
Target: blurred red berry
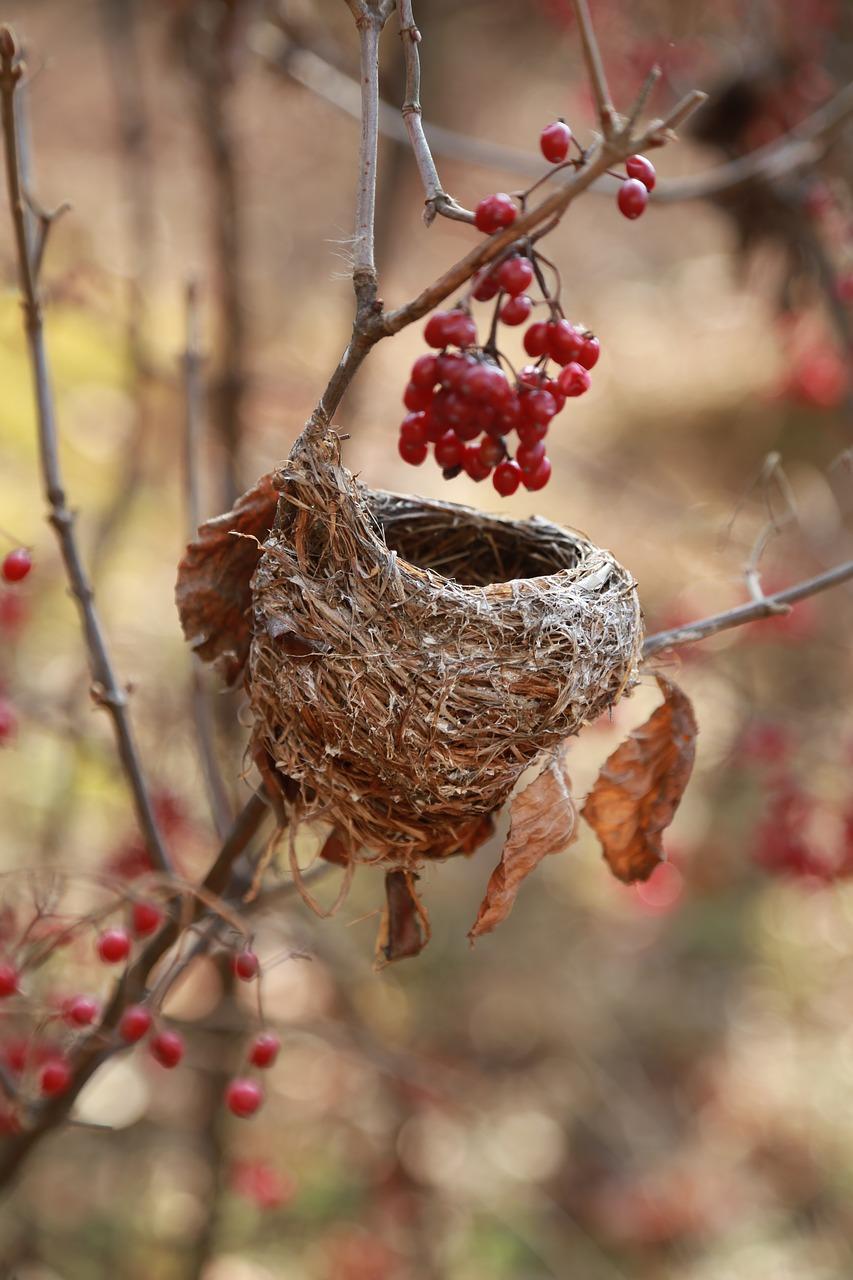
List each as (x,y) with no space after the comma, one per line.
(243,1097)
(245,964)
(8,980)
(507,477)
(55,1077)
(114,946)
(145,918)
(643,170)
(264,1049)
(134,1023)
(514,275)
(167,1047)
(516,310)
(81,1011)
(17,564)
(495,212)
(539,478)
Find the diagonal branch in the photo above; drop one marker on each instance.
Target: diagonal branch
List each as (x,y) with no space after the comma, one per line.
(766,607)
(106,690)
(607,117)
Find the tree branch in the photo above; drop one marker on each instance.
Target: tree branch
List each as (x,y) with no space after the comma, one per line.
(607,117)
(105,688)
(767,607)
(205,727)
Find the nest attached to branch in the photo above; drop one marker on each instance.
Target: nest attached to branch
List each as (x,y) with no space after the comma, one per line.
(410,659)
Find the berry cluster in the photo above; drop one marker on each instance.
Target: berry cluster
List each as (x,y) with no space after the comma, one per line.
(46,1059)
(460,399)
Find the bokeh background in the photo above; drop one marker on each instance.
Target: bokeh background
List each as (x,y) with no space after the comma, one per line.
(619,1084)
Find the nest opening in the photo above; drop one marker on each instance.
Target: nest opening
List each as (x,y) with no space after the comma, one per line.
(472,552)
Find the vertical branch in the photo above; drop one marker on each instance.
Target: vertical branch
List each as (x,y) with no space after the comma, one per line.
(364,265)
(205,727)
(106,689)
(608,119)
(437,199)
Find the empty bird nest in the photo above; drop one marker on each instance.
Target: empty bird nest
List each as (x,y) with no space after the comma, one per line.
(405,660)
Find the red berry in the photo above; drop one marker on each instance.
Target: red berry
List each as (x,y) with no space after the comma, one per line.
(491,451)
(436,331)
(528,456)
(643,170)
(114,946)
(245,964)
(485,285)
(425,371)
(8,721)
(54,1077)
(145,918)
(81,1011)
(168,1048)
(448,450)
(452,370)
(540,476)
(554,141)
(134,1023)
(416,398)
(486,382)
(473,464)
(412,452)
(243,1097)
(516,310)
(589,352)
(463,330)
(564,342)
(573,380)
(264,1050)
(17,564)
(510,415)
(632,198)
(8,980)
(538,407)
(507,477)
(413,428)
(514,275)
(536,339)
(13,612)
(530,432)
(495,212)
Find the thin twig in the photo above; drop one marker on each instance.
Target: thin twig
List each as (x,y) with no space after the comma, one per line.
(608,119)
(437,199)
(106,690)
(205,725)
(364,264)
(741,614)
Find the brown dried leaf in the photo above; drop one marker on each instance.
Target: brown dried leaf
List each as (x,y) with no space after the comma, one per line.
(405,927)
(640,787)
(212,592)
(542,821)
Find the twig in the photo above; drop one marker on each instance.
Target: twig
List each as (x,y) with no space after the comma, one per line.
(741,614)
(607,116)
(105,689)
(369,25)
(437,199)
(205,726)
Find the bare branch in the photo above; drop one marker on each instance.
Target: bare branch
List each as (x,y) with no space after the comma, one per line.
(737,617)
(364,265)
(437,199)
(607,117)
(205,726)
(105,687)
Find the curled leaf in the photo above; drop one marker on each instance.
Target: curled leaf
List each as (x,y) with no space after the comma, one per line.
(213,592)
(405,927)
(641,784)
(542,821)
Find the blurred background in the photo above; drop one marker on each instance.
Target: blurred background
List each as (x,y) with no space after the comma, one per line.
(642,1083)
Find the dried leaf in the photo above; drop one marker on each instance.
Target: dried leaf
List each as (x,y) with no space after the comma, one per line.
(213,593)
(640,787)
(405,927)
(542,821)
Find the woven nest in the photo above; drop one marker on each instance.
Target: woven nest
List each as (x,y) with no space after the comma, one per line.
(410,659)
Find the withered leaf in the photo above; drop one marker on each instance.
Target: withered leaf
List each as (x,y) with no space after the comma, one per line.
(542,821)
(212,591)
(641,784)
(404,930)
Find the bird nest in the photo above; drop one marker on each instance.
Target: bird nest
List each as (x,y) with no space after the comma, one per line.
(410,659)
